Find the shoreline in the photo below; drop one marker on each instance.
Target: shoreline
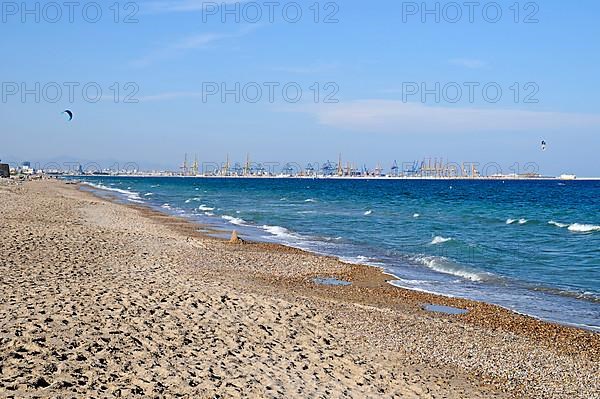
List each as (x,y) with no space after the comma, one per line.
(390,277)
(377,277)
(129,258)
(372,276)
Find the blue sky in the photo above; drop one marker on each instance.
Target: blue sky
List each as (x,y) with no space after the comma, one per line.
(372,55)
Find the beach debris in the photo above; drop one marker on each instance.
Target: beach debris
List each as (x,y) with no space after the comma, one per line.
(331,281)
(451,310)
(235,239)
(69,114)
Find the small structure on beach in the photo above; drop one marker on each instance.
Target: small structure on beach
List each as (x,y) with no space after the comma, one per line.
(235,239)
(4,170)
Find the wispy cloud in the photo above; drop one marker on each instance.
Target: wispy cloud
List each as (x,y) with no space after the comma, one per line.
(386,116)
(306,70)
(468,63)
(200,40)
(191,42)
(175,95)
(183,5)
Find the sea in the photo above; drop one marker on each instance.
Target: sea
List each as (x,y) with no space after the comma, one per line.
(532,246)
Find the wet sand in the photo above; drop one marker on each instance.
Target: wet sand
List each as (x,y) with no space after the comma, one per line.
(99,299)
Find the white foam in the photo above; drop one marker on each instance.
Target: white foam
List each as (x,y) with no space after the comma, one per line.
(205,208)
(401,284)
(310,200)
(232,220)
(148,194)
(440,240)
(367,213)
(558,224)
(360,260)
(187,201)
(279,231)
(130,195)
(411,282)
(583,228)
(513,221)
(166,206)
(443,265)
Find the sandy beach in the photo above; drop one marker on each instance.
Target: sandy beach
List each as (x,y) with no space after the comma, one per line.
(100,299)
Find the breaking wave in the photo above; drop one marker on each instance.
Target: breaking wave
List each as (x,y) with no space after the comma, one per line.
(443,265)
(513,221)
(583,228)
(558,224)
(361,260)
(131,196)
(440,240)
(233,220)
(279,231)
(576,227)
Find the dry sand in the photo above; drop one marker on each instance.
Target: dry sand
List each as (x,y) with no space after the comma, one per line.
(105,300)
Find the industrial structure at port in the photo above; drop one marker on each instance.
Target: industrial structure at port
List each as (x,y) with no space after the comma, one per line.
(430,168)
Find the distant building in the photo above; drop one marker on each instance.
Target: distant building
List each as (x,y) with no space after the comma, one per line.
(4,170)
(26,168)
(568,177)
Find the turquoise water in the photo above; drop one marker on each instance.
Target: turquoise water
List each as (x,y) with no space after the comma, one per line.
(531,246)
